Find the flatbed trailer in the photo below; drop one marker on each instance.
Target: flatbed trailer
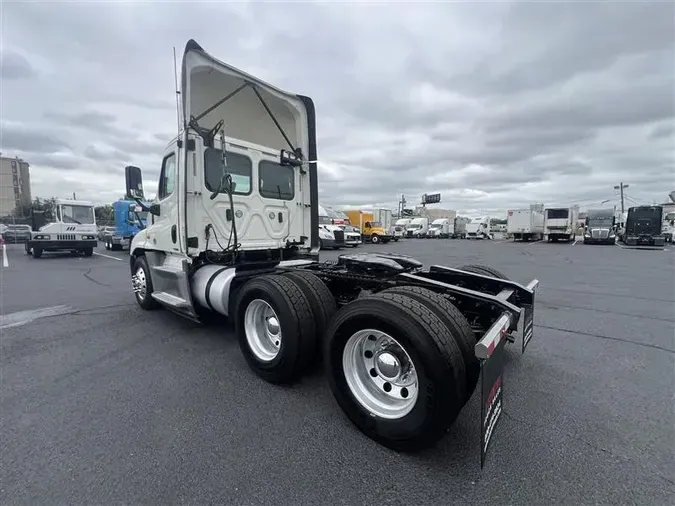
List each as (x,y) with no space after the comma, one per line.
(403,346)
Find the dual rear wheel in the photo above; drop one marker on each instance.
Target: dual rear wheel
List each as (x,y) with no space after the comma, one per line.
(400,363)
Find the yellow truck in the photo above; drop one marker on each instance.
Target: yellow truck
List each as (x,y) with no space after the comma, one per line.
(371,230)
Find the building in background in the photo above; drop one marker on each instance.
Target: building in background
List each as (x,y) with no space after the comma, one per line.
(14,184)
(434,213)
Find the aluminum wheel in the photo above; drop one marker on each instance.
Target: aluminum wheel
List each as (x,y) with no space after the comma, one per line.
(263,330)
(380,374)
(140,283)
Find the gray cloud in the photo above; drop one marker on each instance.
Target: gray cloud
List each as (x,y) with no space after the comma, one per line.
(15,66)
(495,105)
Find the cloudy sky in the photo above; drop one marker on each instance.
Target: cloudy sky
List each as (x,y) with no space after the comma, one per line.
(494,105)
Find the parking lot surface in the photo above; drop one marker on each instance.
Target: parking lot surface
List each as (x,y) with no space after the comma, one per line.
(104,403)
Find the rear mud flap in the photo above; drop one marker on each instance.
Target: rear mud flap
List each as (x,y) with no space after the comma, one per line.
(490,351)
(527,324)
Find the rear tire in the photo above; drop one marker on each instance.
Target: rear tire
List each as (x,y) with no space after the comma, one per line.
(144,282)
(318,295)
(414,418)
(484,270)
(455,321)
(275,328)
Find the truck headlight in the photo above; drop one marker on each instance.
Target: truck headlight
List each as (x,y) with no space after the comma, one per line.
(42,237)
(88,237)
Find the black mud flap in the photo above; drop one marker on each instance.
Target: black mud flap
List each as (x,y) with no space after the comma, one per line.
(528,324)
(490,350)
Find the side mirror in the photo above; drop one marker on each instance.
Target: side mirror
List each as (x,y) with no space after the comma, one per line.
(154,209)
(134,179)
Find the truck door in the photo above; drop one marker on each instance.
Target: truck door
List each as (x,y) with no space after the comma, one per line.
(165,233)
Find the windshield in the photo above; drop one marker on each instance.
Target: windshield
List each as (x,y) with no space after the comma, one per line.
(600,220)
(414,226)
(18,227)
(82,215)
(436,225)
(325,220)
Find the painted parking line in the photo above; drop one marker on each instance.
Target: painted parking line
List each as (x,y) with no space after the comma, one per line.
(5,259)
(109,256)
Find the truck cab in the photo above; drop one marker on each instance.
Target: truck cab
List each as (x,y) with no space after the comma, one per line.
(335,238)
(400,227)
(129,220)
(479,228)
(668,227)
(417,228)
(73,229)
(600,226)
(439,229)
(338,218)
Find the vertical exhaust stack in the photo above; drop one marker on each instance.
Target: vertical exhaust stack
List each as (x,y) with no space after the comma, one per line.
(672,196)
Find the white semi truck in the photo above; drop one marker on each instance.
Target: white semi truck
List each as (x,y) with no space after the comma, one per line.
(73,229)
(479,228)
(336,237)
(400,228)
(417,228)
(560,223)
(525,224)
(235,231)
(439,229)
(352,235)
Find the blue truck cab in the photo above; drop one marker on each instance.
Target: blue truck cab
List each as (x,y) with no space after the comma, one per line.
(129,220)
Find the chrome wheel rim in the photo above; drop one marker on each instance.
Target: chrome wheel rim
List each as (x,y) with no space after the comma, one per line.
(380,374)
(263,330)
(140,284)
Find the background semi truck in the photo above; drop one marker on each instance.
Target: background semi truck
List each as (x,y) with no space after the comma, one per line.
(479,228)
(129,220)
(600,226)
(644,226)
(336,237)
(525,224)
(439,229)
(668,226)
(236,233)
(352,235)
(560,223)
(417,228)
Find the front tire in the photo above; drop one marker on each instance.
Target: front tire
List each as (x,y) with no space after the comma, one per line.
(142,284)
(88,252)
(374,238)
(275,328)
(395,370)
(37,252)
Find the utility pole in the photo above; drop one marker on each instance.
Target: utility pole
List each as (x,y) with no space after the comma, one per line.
(621,187)
(74,196)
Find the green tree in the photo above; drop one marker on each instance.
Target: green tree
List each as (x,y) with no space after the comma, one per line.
(104,213)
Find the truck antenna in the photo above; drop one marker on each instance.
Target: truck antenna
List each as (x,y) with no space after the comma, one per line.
(175,79)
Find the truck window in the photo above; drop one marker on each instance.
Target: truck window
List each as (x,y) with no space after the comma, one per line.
(82,215)
(557,214)
(276,181)
(167,177)
(239,166)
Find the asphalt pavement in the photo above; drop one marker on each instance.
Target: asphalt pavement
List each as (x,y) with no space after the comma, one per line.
(103,403)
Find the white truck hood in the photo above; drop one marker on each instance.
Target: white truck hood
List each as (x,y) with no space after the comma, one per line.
(212,91)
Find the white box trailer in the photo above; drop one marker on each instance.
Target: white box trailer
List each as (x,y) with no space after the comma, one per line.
(560,223)
(384,217)
(525,224)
